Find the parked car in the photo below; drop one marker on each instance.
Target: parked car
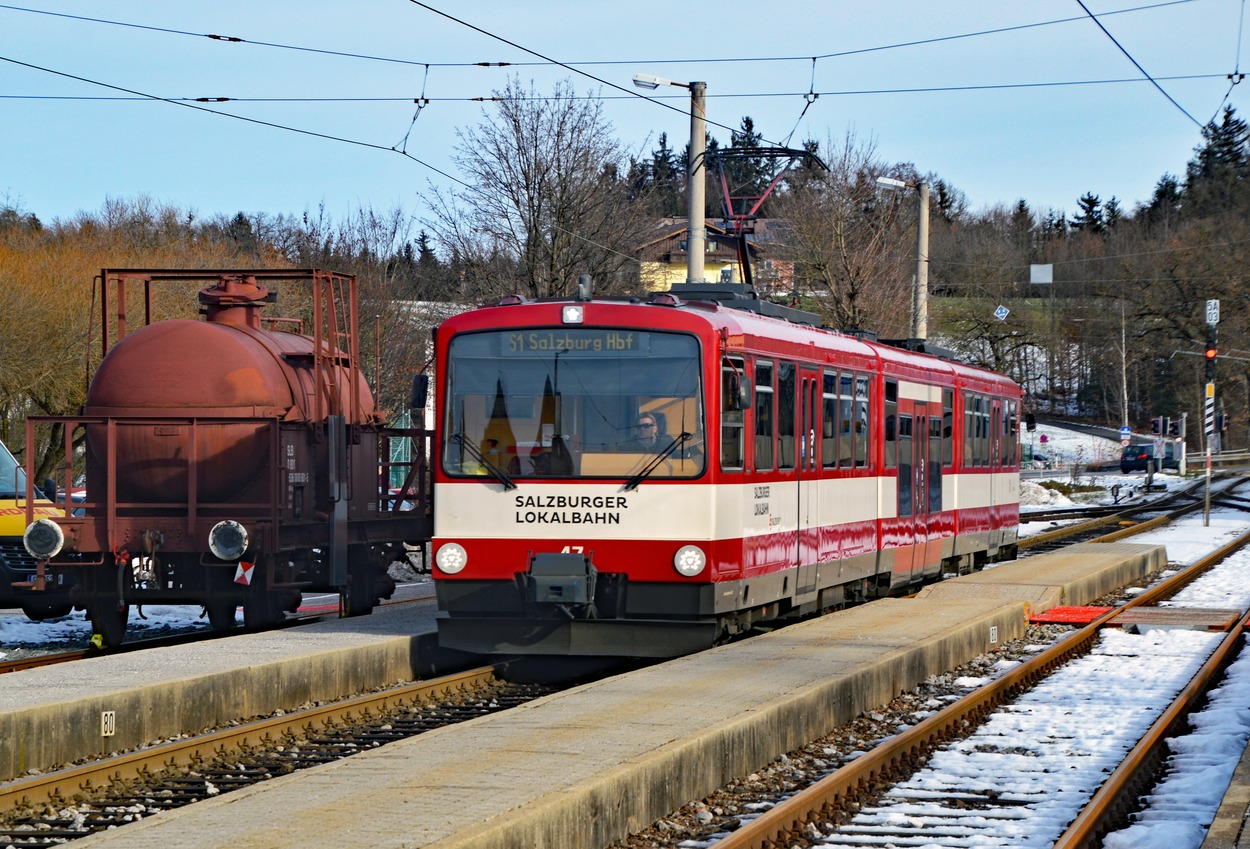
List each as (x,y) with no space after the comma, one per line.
(1134,458)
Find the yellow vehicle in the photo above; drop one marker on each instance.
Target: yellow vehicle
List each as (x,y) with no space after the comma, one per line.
(17,566)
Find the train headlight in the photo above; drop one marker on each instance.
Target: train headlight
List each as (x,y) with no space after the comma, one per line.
(227,540)
(451,558)
(43,539)
(689,560)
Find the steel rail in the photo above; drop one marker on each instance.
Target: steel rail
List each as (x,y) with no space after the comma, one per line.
(1123,516)
(1120,516)
(781,824)
(65,784)
(1111,805)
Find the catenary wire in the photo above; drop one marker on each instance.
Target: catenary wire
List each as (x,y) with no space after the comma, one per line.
(631,95)
(1236,76)
(1136,64)
(670,61)
(257,121)
(283,127)
(564,65)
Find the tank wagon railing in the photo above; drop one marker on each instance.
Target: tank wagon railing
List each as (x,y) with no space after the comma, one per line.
(416,491)
(334,330)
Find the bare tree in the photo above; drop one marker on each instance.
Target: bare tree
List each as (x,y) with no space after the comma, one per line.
(395,311)
(545,198)
(844,244)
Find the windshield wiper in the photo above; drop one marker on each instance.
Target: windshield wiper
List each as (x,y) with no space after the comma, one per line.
(496,472)
(678,440)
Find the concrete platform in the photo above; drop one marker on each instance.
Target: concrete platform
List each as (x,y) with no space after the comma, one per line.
(587,766)
(1229,829)
(590,765)
(51,715)
(1075,576)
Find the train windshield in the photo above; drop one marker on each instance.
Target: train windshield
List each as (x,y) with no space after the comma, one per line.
(573,403)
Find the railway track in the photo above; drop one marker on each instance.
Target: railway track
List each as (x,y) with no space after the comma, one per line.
(71,803)
(1107,524)
(928,785)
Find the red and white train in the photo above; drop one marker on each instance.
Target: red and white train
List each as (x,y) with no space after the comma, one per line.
(797,469)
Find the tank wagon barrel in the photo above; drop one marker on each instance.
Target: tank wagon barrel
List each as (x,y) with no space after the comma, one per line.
(229,463)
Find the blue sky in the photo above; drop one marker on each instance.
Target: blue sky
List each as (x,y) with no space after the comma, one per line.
(981,112)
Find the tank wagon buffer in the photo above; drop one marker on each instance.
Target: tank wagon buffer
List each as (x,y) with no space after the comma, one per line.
(230,461)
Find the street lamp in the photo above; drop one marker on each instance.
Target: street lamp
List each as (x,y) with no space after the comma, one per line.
(920,287)
(696,241)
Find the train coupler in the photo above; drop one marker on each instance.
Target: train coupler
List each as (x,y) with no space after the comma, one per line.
(564,580)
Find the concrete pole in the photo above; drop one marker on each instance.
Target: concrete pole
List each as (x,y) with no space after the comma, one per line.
(696,240)
(920,293)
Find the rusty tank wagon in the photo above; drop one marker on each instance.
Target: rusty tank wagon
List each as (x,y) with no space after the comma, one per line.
(233,461)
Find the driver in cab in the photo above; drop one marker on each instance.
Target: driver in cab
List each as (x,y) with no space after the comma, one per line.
(646,435)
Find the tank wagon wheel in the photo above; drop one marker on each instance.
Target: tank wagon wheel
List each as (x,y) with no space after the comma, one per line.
(222,614)
(38,611)
(362,576)
(262,609)
(108,618)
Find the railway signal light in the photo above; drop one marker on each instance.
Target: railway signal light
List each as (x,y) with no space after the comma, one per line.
(1156,425)
(1210,352)
(1174,427)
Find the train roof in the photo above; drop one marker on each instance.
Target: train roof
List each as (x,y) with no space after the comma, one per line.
(737,311)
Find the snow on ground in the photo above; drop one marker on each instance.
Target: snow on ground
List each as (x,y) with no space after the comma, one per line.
(1069,458)
(1069,454)
(1064,448)
(74,631)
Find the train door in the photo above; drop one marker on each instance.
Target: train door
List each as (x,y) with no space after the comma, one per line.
(808,479)
(997,434)
(913,490)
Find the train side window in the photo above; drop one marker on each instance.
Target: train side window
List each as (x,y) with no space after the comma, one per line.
(905,480)
(862,430)
(733,416)
(763,416)
(970,431)
(987,452)
(948,422)
(891,427)
(846,420)
(787,395)
(978,432)
(1000,432)
(1013,435)
(828,421)
(935,469)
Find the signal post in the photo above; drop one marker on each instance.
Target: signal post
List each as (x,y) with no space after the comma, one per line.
(1209,353)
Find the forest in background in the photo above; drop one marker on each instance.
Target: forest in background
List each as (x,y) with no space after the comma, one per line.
(549,193)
